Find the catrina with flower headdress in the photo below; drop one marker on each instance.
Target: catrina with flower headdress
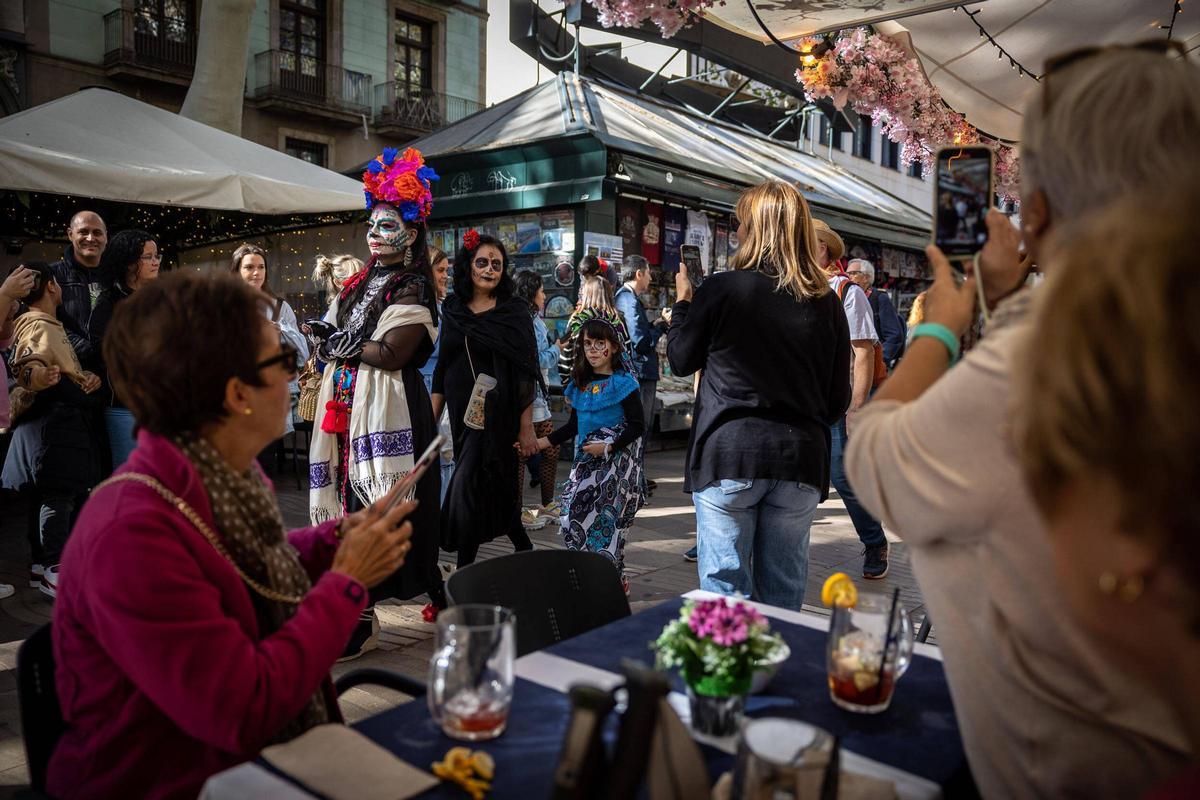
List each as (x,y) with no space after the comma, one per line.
(373,413)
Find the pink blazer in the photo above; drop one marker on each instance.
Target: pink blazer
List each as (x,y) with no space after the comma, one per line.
(162,675)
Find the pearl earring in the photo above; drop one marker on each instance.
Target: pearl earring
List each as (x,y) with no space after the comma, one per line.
(247,411)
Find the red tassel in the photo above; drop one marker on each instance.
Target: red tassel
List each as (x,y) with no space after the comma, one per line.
(337,417)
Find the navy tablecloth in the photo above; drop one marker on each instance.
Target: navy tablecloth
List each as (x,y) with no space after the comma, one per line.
(918,734)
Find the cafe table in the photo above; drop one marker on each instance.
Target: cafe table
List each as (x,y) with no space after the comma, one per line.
(915,744)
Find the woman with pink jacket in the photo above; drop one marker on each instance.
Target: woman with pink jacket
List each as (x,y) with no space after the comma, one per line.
(190,630)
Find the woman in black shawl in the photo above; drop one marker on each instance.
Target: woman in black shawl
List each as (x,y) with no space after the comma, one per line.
(485,331)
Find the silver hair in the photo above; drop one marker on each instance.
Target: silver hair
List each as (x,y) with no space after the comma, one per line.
(1117,121)
(864,265)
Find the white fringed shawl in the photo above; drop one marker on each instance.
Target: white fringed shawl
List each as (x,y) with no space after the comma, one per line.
(381,436)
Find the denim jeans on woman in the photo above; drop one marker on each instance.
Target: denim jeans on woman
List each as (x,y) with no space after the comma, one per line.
(753,538)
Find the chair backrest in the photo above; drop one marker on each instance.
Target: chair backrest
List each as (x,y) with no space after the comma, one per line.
(41,716)
(556,594)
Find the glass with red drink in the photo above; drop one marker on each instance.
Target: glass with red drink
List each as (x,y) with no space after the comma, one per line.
(471,671)
(862,676)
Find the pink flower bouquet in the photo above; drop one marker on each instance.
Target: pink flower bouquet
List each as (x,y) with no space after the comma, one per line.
(717,645)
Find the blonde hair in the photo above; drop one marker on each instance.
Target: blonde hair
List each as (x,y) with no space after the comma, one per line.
(780,240)
(595,292)
(322,275)
(1108,384)
(916,314)
(1111,123)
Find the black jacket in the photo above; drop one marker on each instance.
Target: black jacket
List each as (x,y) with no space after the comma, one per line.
(81,291)
(888,325)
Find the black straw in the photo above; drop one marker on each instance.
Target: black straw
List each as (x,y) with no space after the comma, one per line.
(887,643)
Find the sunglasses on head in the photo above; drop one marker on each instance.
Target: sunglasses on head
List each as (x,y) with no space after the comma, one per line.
(1063,60)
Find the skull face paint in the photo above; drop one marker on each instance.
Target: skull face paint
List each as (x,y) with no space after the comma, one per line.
(387,234)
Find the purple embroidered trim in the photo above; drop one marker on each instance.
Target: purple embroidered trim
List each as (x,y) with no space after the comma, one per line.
(382,444)
(318,475)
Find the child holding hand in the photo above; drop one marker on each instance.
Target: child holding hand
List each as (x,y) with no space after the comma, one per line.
(605,488)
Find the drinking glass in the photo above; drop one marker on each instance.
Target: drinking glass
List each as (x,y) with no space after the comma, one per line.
(862,677)
(471,671)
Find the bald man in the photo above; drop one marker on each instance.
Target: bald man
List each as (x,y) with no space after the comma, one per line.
(78,273)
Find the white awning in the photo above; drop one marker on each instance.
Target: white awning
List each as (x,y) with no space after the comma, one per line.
(102,144)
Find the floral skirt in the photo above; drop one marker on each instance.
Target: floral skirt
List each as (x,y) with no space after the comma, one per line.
(601,497)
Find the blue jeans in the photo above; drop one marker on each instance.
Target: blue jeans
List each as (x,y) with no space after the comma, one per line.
(870,532)
(752,538)
(119,422)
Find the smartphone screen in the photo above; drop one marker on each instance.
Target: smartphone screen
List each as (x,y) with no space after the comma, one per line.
(689,254)
(962,196)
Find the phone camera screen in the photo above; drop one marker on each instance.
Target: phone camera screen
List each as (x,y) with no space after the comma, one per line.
(964,195)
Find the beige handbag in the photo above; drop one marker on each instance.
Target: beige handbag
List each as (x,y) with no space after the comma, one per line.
(310,391)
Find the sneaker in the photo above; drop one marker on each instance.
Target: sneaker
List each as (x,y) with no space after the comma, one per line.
(35,575)
(364,639)
(875,562)
(534,519)
(691,555)
(7,590)
(49,584)
(552,509)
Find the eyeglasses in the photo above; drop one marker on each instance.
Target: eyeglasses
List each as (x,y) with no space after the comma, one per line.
(288,358)
(595,347)
(150,257)
(496,264)
(1063,60)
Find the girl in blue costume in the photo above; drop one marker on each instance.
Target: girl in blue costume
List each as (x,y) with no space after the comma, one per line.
(605,488)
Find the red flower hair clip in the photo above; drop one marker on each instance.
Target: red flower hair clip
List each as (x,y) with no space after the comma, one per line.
(471,239)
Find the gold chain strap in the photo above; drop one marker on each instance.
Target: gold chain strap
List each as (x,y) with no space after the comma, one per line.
(190,514)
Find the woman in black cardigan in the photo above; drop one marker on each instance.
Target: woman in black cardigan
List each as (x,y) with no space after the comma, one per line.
(774,347)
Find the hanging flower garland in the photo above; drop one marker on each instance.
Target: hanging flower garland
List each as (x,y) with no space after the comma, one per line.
(668,15)
(876,77)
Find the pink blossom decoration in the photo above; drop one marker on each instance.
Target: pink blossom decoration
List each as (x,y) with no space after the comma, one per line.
(877,78)
(668,15)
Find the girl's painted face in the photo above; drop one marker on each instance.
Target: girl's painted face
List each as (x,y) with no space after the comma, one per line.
(441,277)
(597,351)
(486,269)
(386,232)
(253,270)
(149,262)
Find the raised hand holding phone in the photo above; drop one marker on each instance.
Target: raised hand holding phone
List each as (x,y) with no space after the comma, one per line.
(963,189)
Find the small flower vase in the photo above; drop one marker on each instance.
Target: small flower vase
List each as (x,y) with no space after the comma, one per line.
(716,716)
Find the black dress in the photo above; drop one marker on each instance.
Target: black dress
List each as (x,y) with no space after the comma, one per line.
(482,502)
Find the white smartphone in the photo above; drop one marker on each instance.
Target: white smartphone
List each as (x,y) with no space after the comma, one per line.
(400,490)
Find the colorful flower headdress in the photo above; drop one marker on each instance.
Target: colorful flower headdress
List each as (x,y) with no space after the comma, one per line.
(402,181)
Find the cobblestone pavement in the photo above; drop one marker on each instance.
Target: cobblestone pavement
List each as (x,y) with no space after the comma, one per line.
(657,571)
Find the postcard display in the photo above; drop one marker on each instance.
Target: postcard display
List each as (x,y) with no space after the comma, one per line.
(543,242)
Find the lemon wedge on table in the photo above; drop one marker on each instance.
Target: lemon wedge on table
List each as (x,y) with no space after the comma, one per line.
(839,590)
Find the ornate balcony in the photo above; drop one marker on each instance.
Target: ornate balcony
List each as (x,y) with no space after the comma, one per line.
(399,108)
(297,83)
(145,45)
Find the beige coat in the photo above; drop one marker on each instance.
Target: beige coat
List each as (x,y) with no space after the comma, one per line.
(1043,712)
(39,339)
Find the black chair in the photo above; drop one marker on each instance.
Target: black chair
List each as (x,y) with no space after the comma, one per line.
(41,715)
(556,594)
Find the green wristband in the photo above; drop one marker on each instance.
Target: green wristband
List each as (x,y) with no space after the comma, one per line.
(942,334)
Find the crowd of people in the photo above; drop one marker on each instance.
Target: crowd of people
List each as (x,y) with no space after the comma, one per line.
(1041,470)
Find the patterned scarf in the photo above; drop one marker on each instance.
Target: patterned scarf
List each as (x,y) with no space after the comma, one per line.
(249,521)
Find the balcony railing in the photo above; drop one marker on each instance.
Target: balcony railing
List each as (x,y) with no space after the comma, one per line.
(419,109)
(153,41)
(287,76)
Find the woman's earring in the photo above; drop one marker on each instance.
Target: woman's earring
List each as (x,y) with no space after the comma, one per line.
(408,256)
(247,411)
(1127,590)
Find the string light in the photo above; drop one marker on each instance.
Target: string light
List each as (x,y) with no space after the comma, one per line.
(1001,53)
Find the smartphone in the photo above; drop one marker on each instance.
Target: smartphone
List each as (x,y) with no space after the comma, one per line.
(689,254)
(963,189)
(400,490)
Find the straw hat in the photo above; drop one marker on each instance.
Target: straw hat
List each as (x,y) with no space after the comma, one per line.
(833,242)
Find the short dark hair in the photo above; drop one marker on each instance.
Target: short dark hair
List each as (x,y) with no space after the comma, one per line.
(527,284)
(461,273)
(589,266)
(120,260)
(581,369)
(173,345)
(43,275)
(632,266)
